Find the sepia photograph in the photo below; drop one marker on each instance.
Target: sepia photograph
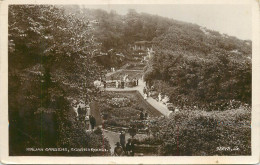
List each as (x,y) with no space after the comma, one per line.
(129,80)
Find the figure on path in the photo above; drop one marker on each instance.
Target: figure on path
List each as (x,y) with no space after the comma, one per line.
(81,113)
(122,139)
(159,97)
(133,149)
(136,82)
(145,115)
(116,83)
(132,131)
(79,110)
(128,147)
(141,115)
(87,122)
(123,84)
(105,84)
(144,90)
(118,151)
(145,96)
(92,121)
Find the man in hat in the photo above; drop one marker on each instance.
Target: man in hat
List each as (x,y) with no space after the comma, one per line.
(141,115)
(130,148)
(122,139)
(118,151)
(92,121)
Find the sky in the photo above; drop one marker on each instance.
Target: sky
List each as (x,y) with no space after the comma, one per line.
(234,20)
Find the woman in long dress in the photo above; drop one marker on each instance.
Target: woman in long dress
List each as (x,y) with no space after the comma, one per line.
(116,83)
(159,97)
(145,96)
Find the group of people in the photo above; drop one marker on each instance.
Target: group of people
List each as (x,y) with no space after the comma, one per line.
(83,115)
(122,149)
(146,93)
(120,84)
(125,81)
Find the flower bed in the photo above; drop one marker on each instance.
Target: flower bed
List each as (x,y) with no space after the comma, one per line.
(118,102)
(122,109)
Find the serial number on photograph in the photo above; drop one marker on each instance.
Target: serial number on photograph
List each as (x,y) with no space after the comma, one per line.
(221,148)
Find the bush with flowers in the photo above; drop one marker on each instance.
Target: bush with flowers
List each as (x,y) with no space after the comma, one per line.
(118,102)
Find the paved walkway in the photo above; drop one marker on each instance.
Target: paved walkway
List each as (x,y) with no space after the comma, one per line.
(113,138)
(157,105)
(94,110)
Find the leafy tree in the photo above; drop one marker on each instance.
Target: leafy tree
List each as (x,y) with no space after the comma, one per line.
(49,53)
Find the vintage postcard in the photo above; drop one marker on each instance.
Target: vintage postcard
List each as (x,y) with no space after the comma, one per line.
(119,82)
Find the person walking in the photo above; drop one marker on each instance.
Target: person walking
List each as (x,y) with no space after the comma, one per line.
(145,96)
(145,115)
(132,153)
(149,94)
(79,110)
(159,97)
(141,115)
(116,83)
(81,113)
(144,90)
(122,139)
(105,84)
(123,84)
(119,84)
(118,150)
(128,147)
(92,121)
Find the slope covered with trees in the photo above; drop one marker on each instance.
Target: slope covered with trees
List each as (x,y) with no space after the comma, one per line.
(57,52)
(49,63)
(200,70)
(200,66)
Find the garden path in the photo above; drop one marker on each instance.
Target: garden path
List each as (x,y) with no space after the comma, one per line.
(113,137)
(94,110)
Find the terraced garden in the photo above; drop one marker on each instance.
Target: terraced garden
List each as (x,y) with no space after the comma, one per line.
(131,74)
(122,109)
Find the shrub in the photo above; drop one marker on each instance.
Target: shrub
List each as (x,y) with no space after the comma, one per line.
(203,133)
